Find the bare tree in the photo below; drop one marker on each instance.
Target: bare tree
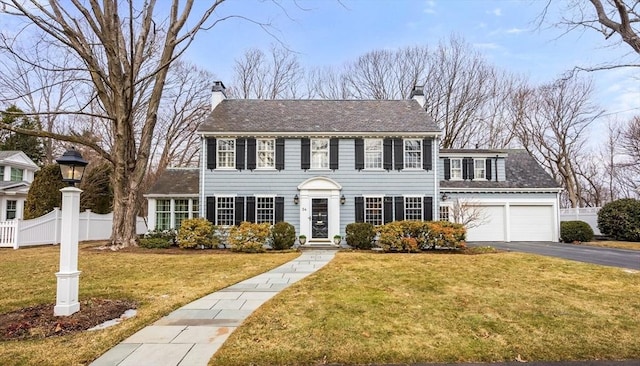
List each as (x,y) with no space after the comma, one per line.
(551,123)
(327,83)
(631,140)
(468,213)
(124,51)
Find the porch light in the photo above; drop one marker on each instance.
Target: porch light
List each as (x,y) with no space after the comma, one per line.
(343,200)
(444,197)
(296,199)
(72,166)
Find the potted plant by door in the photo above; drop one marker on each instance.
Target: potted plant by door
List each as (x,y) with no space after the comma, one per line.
(302,239)
(337,239)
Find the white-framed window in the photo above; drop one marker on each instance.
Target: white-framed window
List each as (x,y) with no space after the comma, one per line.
(444,213)
(456,169)
(265,210)
(1,173)
(266,150)
(226,153)
(413,208)
(373,153)
(479,166)
(195,208)
(180,211)
(225,211)
(16,174)
(413,154)
(163,214)
(319,153)
(12,209)
(373,213)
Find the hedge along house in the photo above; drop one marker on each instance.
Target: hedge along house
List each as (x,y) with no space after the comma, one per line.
(318,164)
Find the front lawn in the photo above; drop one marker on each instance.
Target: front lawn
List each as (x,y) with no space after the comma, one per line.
(401,308)
(158,282)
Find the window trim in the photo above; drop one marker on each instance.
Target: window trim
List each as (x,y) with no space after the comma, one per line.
(233,208)
(164,212)
(418,164)
(273,207)
(272,151)
(14,169)
(420,199)
(483,168)
(220,152)
(449,214)
(451,168)
(312,150)
(380,152)
(365,208)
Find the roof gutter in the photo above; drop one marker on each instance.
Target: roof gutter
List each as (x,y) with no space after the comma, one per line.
(298,134)
(500,190)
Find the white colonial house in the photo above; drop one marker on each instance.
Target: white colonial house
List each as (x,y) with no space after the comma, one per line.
(322,164)
(16,174)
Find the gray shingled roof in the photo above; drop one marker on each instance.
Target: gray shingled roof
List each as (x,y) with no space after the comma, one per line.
(317,116)
(522,171)
(177,181)
(7,154)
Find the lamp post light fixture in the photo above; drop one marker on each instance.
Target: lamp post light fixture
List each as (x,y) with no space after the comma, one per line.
(343,200)
(72,168)
(296,199)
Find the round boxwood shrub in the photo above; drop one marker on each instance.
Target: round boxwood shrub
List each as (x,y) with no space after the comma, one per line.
(360,235)
(572,231)
(620,219)
(195,233)
(283,235)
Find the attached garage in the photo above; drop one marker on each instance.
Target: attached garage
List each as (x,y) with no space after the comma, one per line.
(490,227)
(531,223)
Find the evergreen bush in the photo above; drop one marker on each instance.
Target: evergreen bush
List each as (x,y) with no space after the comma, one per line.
(194,233)
(360,235)
(249,237)
(283,235)
(575,231)
(620,219)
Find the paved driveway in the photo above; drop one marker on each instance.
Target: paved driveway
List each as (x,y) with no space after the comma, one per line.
(623,258)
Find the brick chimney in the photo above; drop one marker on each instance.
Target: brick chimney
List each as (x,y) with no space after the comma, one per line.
(217,94)
(417,94)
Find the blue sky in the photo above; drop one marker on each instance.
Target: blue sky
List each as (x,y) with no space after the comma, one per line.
(332,32)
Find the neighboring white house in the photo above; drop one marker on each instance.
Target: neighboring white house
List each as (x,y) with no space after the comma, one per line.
(16,174)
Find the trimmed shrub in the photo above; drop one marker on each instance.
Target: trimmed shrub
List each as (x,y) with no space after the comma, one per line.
(249,237)
(155,243)
(572,231)
(620,219)
(283,235)
(360,235)
(168,236)
(195,233)
(445,234)
(424,235)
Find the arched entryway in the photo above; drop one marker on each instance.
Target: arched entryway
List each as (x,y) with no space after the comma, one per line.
(319,209)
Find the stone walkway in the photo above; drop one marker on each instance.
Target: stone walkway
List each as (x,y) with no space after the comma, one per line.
(190,335)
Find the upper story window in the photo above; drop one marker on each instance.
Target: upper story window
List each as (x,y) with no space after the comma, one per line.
(373,153)
(412,154)
(319,153)
(266,153)
(479,166)
(226,153)
(456,169)
(16,174)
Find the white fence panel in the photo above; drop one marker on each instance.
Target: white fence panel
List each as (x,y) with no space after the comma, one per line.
(41,230)
(8,230)
(586,214)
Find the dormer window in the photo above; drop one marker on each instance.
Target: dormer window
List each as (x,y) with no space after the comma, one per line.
(479,166)
(456,169)
(16,174)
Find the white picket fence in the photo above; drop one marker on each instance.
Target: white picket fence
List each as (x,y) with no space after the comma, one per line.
(586,214)
(46,229)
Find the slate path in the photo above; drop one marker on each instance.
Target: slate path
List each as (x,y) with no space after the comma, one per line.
(194,332)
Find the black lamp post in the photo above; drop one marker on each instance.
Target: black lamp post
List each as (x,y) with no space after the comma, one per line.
(72,166)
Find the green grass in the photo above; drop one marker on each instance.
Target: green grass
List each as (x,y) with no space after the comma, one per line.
(159,283)
(376,308)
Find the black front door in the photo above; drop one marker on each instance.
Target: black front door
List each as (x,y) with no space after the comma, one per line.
(319,218)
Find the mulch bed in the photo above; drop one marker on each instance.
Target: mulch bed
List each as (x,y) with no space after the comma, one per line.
(38,322)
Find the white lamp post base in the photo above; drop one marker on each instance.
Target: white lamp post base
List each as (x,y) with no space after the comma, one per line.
(67,294)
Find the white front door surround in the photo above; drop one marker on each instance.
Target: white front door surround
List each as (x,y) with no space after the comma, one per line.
(319,209)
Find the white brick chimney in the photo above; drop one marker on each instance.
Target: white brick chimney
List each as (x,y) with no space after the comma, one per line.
(217,94)
(417,94)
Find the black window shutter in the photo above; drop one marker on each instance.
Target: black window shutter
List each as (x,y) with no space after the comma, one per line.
(447,169)
(211,153)
(211,209)
(470,168)
(427,156)
(487,173)
(251,153)
(399,201)
(398,154)
(387,153)
(388,209)
(280,154)
(279,204)
(239,214)
(465,168)
(240,153)
(359,209)
(359,154)
(427,208)
(305,159)
(333,153)
(251,209)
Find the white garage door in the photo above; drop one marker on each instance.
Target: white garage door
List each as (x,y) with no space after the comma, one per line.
(531,223)
(491,227)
